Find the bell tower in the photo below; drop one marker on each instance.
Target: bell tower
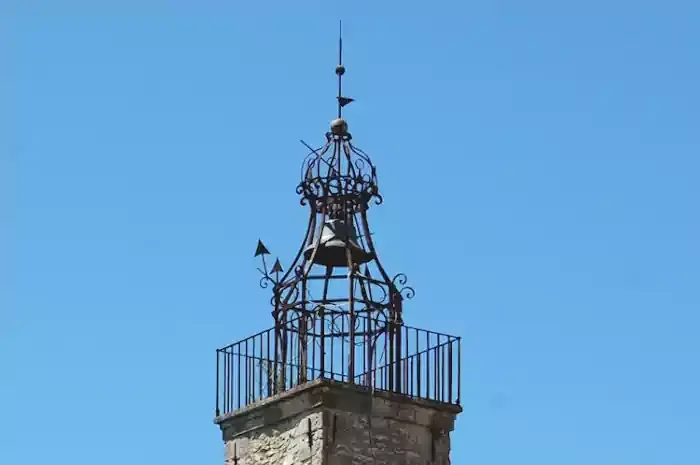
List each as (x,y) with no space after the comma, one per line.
(340,378)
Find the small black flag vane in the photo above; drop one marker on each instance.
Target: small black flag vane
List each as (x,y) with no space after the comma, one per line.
(345,100)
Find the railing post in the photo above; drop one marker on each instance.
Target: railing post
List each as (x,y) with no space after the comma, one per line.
(419,375)
(237,350)
(275,372)
(397,368)
(449,370)
(218,411)
(270,369)
(427,364)
(390,362)
(369,355)
(459,370)
(323,342)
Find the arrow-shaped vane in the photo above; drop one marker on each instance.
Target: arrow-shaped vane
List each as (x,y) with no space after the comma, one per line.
(277,267)
(261,249)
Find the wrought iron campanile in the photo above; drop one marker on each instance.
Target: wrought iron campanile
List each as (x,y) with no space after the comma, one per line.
(338,314)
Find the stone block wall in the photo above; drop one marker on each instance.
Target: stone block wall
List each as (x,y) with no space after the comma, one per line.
(326,423)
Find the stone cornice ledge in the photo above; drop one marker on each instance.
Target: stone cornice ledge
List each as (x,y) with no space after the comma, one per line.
(339,396)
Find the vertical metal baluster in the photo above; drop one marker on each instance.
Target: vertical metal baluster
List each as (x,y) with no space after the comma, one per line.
(449,370)
(436,376)
(418,357)
(246,381)
(231,378)
(404,330)
(332,353)
(427,365)
(260,368)
(252,371)
(313,347)
(289,357)
(301,356)
(322,320)
(343,365)
(269,365)
(253,378)
(459,370)
(365,349)
(238,378)
(292,366)
(442,376)
(217,410)
(275,367)
(385,378)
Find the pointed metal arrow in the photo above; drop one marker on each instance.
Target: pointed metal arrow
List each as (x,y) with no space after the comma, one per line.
(261,249)
(277,267)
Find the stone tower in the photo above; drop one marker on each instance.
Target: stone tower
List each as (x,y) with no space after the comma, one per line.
(339,379)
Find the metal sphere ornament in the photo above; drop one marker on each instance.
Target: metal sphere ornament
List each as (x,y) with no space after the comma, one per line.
(339,127)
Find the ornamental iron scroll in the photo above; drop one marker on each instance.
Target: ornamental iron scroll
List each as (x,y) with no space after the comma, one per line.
(338,170)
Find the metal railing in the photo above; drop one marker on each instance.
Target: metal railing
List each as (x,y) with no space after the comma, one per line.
(384,355)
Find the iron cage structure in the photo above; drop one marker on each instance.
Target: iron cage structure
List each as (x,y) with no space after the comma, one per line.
(337,313)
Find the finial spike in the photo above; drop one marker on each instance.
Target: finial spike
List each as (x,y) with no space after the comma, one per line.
(261,249)
(340,43)
(277,267)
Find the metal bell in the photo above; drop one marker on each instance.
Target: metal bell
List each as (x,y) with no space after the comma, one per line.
(336,237)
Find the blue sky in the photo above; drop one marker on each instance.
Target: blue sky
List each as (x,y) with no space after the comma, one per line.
(539,162)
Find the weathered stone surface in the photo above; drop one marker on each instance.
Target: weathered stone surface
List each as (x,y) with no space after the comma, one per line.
(326,423)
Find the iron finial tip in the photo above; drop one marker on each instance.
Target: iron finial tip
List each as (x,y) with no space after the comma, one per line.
(261,249)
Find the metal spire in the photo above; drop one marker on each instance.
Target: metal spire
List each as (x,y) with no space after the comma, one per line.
(340,70)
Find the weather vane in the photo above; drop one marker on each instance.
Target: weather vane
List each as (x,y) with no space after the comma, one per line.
(267,278)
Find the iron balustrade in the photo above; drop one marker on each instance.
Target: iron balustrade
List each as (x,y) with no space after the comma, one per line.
(377,354)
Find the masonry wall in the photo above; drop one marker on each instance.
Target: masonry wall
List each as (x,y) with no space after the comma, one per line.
(331,424)
(363,440)
(284,443)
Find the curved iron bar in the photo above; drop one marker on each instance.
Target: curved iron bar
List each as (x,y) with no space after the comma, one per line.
(399,282)
(266,280)
(309,230)
(370,243)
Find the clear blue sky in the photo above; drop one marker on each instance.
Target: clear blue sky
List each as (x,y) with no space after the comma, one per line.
(540,167)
